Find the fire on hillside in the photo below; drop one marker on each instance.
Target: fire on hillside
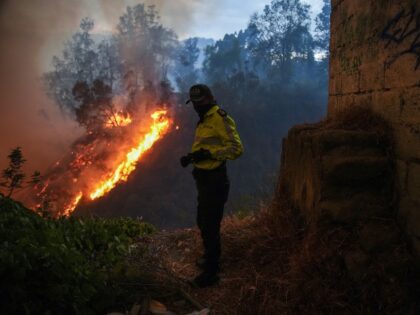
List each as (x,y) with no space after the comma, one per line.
(99,161)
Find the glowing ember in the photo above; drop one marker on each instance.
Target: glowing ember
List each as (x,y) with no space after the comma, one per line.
(69,209)
(119,119)
(159,126)
(44,188)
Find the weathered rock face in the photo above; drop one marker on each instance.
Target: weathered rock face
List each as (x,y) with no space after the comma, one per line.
(357,173)
(340,175)
(375,62)
(336,174)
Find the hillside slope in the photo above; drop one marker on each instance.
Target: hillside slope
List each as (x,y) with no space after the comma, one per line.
(273,264)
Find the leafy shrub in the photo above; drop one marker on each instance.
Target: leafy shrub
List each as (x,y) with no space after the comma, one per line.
(60,266)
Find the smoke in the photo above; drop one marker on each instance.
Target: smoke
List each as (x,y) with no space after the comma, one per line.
(176,15)
(27,117)
(31,33)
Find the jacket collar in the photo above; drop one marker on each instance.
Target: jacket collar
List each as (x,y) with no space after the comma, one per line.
(211,111)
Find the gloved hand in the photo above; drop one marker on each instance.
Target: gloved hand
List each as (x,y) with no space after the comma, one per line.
(194,157)
(201,155)
(186,160)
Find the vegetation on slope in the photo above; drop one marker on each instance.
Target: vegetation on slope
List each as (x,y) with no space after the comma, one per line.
(62,266)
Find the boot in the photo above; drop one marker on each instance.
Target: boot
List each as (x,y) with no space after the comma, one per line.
(201,263)
(205,279)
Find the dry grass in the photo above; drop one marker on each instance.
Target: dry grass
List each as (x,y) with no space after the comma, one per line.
(273,265)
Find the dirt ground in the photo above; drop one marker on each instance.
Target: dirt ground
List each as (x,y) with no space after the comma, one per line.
(173,256)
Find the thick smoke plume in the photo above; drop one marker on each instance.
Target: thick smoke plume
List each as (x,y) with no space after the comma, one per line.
(28,118)
(31,32)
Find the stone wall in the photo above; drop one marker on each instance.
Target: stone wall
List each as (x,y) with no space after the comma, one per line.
(337,175)
(375,62)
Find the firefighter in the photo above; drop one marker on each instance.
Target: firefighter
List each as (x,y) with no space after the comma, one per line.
(216,140)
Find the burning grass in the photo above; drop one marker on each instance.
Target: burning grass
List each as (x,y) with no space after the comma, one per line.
(99,162)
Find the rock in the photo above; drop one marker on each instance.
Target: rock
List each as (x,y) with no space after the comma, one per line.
(135,309)
(204,311)
(157,308)
(339,174)
(343,170)
(331,139)
(413,181)
(415,246)
(357,263)
(377,235)
(180,303)
(356,206)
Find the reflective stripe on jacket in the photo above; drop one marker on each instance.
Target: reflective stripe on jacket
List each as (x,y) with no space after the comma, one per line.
(217,133)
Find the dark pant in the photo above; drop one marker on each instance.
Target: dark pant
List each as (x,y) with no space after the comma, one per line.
(213,190)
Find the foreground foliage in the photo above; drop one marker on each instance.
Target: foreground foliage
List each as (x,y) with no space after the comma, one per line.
(60,266)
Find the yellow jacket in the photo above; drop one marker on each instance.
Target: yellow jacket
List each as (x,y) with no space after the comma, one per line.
(217,134)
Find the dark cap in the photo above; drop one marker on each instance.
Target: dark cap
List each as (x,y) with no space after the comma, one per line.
(199,92)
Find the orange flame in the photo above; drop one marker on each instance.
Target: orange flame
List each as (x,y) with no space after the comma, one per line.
(69,209)
(119,119)
(159,126)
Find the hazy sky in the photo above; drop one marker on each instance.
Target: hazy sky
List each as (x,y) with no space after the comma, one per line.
(189,18)
(228,16)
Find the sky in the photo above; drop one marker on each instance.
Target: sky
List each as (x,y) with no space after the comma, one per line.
(188,18)
(33,31)
(201,18)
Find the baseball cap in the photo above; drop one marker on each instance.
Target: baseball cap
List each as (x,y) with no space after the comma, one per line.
(198,92)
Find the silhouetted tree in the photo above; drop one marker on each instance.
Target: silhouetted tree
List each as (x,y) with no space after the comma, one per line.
(145,45)
(282,33)
(109,62)
(185,71)
(78,63)
(95,109)
(13,176)
(224,58)
(322,29)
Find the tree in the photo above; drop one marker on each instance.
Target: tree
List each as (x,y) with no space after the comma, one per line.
(78,63)
(146,46)
(322,29)
(13,176)
(185,71)
(109,62)
(224,59)
(282,33)
(95,109)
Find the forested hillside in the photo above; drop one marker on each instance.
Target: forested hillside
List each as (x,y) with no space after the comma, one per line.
(268,76)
